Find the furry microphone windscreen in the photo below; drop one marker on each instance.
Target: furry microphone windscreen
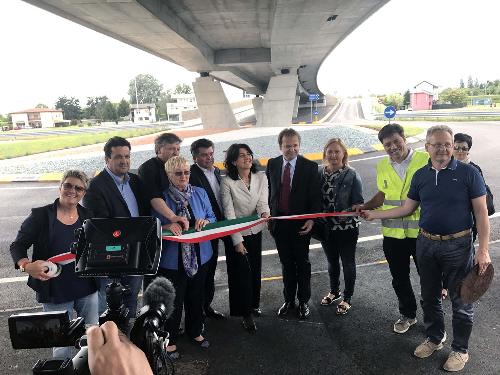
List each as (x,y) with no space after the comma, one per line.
(159,291)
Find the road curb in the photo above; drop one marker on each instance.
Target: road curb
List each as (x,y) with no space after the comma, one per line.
(261,164)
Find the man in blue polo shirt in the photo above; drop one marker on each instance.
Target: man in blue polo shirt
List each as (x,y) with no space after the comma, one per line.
(445,190)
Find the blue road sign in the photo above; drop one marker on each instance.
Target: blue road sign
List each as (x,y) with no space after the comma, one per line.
(390,112)
(316,113)
(313,97)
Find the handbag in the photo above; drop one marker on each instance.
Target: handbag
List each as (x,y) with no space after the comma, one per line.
(489,201)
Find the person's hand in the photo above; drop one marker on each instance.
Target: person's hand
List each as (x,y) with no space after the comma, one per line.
(175,228)
(368,215)
(199,224)
(240,248)
(38,270)
(358,207)
(306,228)
(111,352)
(265,215)
(483,260)
(181,220)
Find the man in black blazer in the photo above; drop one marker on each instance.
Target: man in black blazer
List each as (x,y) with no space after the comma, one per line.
(294,188)
(115,192)
(155,179)
(205,175)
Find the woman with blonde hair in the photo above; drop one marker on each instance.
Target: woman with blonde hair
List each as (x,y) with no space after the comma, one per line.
(341,189)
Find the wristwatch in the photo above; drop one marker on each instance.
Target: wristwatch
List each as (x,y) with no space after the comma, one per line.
(22,266)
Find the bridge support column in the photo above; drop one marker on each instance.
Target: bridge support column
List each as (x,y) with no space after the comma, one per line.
(257,103)
(215,110)
(278,106)
(296,106)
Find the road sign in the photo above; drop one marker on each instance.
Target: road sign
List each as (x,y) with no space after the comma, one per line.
(313,97)
(315,113)
(390,112)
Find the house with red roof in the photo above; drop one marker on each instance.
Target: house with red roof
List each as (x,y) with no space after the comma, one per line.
(37,118)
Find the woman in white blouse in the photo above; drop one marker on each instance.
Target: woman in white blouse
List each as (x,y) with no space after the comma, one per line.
(244,193)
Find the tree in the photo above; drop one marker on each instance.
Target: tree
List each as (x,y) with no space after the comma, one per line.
(92,103)
(70,107)
(41,105)
(123,108)
(457,97)
(148,89)
(462,84)
(183,88)
(395,99)
(161,106)
(109,112)
(470,82)
(407,97)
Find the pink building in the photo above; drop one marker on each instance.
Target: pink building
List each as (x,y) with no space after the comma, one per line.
(422,96)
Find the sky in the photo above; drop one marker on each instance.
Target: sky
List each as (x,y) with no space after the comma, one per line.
(407,41)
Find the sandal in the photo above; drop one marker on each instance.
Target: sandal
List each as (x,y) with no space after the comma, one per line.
(342,308)
(444,293)
(327,300)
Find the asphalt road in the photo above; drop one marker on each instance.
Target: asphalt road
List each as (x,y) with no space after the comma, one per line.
(361,342)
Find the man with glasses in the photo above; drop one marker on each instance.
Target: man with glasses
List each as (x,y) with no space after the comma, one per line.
(394,175)
(152,172)
(447,192)
(115,192)
(207,176)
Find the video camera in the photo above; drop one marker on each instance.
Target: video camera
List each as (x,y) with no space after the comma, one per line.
(112,248)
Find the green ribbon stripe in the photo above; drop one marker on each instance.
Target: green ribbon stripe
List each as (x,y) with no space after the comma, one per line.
(218,224)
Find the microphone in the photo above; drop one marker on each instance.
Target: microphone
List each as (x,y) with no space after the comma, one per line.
(158,300)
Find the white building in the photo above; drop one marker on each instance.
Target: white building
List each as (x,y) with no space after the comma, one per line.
(143,112)
(183,102)
(37,118)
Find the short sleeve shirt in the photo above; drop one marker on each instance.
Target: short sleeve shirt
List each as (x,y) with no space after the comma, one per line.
(445,196)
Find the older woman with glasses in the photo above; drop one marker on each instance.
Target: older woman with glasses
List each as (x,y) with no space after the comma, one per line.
(341,189)
(185,264)
(50,230)
(244,193)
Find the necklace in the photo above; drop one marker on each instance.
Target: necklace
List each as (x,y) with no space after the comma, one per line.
(246,181)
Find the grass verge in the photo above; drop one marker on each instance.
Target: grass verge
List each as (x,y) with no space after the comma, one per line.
(410,131)
(16,149)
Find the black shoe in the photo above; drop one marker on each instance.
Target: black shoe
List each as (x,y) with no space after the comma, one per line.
(287,306)
(257,312)
(214,314)
(248,324)
(304,311)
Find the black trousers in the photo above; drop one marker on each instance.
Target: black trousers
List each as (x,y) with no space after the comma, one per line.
(188,295)
(244,276)
(293,251)
(342,244)
(398,252)
(211,268)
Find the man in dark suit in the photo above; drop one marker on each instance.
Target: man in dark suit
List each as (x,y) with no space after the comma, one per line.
(153,175)
(205,175)
(116,192)
(293,189)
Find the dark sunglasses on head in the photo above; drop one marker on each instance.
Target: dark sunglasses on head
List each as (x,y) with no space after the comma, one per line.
(180,173)
(68,186)
(461,149)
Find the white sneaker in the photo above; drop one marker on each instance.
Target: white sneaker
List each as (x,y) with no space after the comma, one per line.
(426,348)
(403,324)
(456,361)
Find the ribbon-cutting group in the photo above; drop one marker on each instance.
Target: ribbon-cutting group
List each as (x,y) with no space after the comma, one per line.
(432,203)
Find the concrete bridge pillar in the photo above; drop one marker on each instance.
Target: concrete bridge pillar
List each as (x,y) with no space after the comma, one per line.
(296,106)
(215,110)
(257,103)
(279,101)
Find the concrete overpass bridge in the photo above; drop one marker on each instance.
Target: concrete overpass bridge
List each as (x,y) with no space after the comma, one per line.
(270,48)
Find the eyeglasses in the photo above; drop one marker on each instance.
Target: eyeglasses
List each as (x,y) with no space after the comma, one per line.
(461,149)
(438,146)
(68,186)
(180,173)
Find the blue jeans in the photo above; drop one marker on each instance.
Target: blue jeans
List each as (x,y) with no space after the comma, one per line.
(130,301)
(85,307)
(445,262)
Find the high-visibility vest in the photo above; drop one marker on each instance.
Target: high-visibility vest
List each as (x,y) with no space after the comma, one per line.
(396,191)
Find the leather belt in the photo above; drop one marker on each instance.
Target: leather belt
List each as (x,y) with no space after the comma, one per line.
(446,237)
